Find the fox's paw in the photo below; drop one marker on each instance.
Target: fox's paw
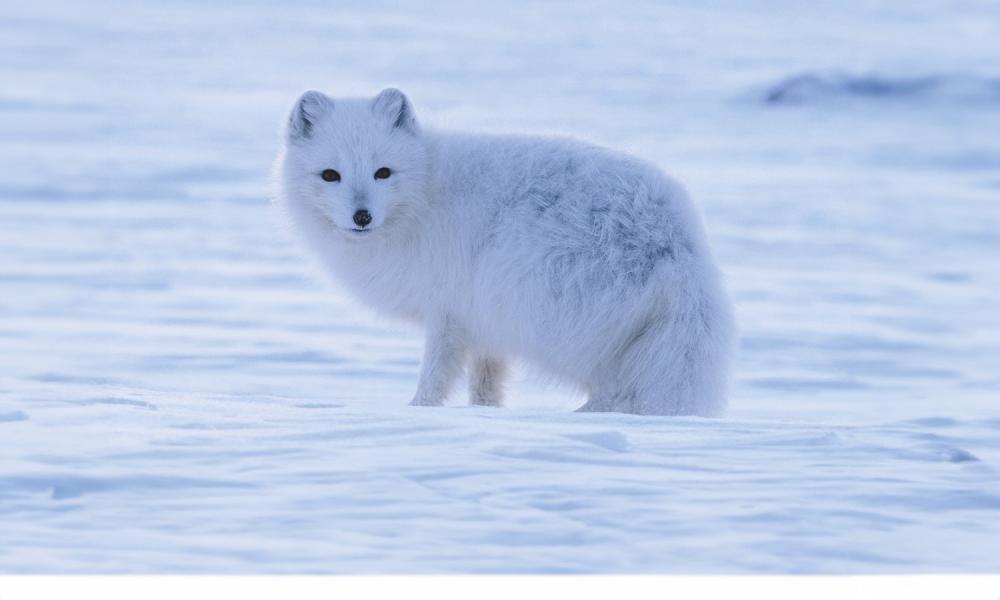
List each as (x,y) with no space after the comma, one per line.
(420,400)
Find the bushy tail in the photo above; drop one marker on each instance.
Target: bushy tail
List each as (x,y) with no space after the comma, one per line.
(681,364)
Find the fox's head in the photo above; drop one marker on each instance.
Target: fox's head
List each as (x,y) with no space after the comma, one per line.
(360,163)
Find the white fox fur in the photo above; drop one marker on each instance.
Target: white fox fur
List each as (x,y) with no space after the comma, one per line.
(586,262)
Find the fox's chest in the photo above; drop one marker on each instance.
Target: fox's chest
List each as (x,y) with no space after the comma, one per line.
(399,283)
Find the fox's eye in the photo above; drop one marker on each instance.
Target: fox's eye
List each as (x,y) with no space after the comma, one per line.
(383,173)
(330,175)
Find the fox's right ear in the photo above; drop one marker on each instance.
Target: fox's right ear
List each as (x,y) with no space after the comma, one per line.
(308,109)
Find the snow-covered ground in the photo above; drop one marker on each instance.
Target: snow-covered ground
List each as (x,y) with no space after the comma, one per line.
(179,394)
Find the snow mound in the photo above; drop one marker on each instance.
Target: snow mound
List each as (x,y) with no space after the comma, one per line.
(814,88)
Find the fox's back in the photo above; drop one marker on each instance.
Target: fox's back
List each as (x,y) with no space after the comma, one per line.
(561,232)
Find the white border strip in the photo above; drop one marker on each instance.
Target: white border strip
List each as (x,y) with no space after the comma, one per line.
(61,587)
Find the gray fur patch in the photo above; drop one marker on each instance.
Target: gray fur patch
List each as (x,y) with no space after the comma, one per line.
(544,200)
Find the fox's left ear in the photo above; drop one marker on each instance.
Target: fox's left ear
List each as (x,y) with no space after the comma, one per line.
(393,106)
(308,109)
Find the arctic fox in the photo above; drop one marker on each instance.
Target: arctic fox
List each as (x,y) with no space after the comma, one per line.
(586,262)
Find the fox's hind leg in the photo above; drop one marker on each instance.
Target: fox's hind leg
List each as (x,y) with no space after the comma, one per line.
(676,365)
(486,381)
(610,393)
(624,402)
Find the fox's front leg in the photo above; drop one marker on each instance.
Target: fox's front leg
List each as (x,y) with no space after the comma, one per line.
(444,355)
(486,380)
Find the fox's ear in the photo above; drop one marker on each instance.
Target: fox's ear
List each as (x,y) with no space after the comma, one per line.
(308,109)
(393,106)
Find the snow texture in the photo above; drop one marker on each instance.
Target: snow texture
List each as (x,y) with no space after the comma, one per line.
(180,394)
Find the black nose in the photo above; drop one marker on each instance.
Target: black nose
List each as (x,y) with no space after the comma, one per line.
(362,218)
